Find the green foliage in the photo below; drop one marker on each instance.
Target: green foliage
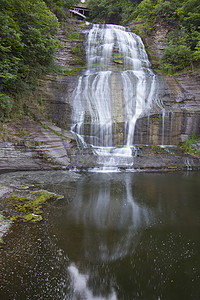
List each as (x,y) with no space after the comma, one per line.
(165,10)
(3,132)
(127,8)
(74,35)
(61,7)
(189,145)
(6,105)
(192,139)
(189,13)
(180,51)
(105,10)
(144,9)
(26,42)
(188,10)
(78,51)
(27,47)
(176,57)
(10,50)
(197,48)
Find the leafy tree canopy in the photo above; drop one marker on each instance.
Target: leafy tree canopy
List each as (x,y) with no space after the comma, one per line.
(27,43)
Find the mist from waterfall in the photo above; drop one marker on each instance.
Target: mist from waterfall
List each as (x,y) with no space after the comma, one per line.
(116,89)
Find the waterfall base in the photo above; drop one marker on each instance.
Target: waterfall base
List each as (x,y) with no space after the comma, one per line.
(144,158)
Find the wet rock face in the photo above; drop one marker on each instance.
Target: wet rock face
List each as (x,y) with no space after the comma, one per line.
(55,91)
(174,116)
(178,115)
(180,95)
(68,55)
(167,128)
(15,158)
(145,158)
(65,56)
(164,158)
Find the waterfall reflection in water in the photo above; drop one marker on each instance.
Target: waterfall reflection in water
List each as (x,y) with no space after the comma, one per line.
(115,223)
(99,205)
(118,87)
(113,236)
(81,289)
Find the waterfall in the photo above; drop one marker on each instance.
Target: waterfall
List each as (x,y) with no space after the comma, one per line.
(117,88)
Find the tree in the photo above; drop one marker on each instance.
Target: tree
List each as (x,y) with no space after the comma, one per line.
(26,40)
(27,46)
(190,13)
(105,10)
(179,52)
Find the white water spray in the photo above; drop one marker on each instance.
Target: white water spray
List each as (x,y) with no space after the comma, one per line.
(118,87)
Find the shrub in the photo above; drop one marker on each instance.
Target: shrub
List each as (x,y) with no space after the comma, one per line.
(6,105)
(165,10)
(187,144)
(176,57)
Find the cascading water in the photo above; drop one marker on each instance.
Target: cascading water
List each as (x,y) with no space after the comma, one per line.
(117,88)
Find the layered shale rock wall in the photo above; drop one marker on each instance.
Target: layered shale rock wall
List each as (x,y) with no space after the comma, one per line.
(179,113)
(175,115)
(55,91)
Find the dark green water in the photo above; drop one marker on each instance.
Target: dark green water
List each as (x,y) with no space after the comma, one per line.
(113,236)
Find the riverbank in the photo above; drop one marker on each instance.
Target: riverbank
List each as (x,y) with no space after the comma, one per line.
(24,194)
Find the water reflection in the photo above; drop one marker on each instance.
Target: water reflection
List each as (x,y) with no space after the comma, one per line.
(113,236)
(126,236)
(112,219)
(80,286)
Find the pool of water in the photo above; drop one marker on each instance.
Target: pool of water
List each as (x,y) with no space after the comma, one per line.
(112,236)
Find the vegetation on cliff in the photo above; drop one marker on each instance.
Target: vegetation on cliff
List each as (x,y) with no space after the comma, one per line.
(183,44)
(27,44)
(192,145)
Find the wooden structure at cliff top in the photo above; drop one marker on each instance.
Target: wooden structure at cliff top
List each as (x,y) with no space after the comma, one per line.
(81,11)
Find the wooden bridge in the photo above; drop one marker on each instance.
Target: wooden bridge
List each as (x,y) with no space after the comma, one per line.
(80,11)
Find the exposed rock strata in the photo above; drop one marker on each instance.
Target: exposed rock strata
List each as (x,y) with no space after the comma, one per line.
(145,158)
(66,57)
(178,118)
(52,147)
(55,91)
(35,147)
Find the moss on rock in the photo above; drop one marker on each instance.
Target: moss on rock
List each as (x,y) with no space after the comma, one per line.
(28,207)
(28,218)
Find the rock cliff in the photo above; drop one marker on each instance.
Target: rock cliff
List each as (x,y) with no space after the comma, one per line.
(31,145)
(38,145)
(34,146)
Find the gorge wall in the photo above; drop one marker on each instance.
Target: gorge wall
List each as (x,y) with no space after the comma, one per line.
(176,116)
(50,145)
(173,119)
